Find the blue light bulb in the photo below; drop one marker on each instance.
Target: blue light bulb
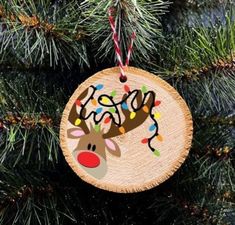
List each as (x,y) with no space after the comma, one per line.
(152,127)
(124,106)
(99,110)
(99,87)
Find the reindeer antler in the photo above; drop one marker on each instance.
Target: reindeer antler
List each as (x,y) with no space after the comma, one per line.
(74,116)
(142,111)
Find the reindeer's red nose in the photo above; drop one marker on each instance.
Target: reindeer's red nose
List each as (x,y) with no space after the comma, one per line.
(88,159)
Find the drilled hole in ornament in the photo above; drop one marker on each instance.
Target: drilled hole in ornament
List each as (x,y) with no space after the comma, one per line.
(123,79)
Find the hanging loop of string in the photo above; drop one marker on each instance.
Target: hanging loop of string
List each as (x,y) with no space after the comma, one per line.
(123,77)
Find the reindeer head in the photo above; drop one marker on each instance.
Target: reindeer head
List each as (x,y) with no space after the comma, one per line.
(90,152)
(93,144)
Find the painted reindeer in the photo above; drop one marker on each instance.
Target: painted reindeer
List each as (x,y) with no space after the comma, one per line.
(92,144)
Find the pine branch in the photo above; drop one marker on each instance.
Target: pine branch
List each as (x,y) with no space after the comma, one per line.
(199,211)
(187,13)
(36,33)
(29,119)
(139,16)
(209,96)
(39,148)
(27,197)
(218,120)
(187,4)
(215,134)
(185,199)
(214,151)
(218,172)
(195,51)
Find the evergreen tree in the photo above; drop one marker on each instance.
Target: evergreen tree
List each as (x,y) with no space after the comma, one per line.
(48,47)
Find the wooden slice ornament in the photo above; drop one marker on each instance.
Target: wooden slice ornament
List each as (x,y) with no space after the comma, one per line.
(127,133)
(125,137)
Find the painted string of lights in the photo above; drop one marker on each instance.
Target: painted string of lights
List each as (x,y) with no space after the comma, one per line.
(107,101)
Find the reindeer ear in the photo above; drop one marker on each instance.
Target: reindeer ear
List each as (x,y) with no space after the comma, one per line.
(112,147)
(74,133)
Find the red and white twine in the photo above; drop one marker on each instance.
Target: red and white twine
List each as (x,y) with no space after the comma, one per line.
(115,38)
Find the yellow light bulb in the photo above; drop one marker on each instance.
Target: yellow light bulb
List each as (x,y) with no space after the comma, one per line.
(146,109)
(122,130)
(105,100)
(132,115)
(157,115)
(77,122)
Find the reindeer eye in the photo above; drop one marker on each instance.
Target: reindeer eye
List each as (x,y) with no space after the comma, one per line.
(93,148)
(89,146)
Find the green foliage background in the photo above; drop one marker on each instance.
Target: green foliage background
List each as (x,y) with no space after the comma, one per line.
(48,47)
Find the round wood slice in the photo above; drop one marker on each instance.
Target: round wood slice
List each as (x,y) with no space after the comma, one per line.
(125,137)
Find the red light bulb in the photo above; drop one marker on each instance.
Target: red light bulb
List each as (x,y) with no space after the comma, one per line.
(107,120)
(126,88)
(78,102)
(145,140)
(157,103)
